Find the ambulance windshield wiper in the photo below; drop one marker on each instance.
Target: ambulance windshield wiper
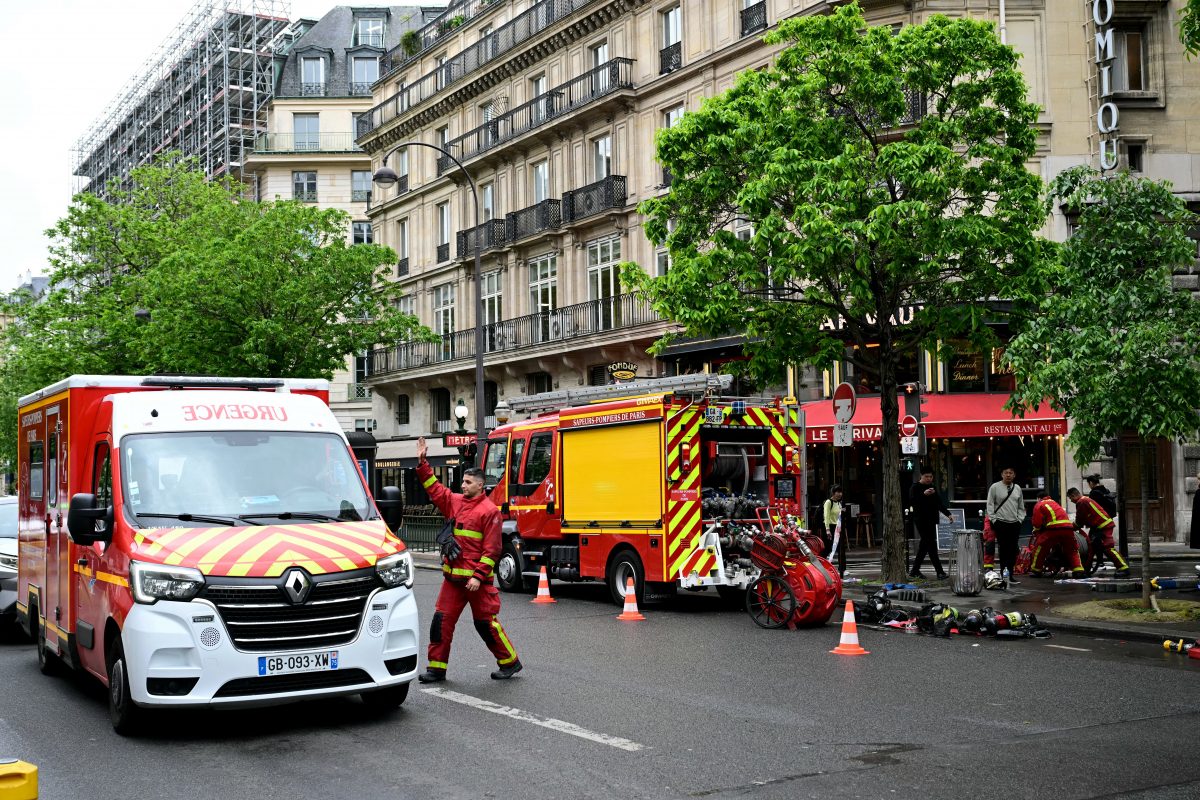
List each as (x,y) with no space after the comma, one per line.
(186,517)
(292,515)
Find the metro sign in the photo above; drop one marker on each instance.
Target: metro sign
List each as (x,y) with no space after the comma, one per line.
(844,401)
(459,439)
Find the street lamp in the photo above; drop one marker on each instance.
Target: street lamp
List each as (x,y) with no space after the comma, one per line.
(460,414)
(386,176)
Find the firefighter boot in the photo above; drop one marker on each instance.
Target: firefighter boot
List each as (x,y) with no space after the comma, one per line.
(507,671)
(432,675)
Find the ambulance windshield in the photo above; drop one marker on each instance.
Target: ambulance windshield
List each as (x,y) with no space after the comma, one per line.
(262,475)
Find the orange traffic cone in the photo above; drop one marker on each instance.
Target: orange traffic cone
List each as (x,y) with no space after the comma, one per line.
(849,645)
(631,611)
(543,594)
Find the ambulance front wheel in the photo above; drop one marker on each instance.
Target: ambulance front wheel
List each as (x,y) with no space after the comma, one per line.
(624,565)
(126,715)
(47,662)
(509,569)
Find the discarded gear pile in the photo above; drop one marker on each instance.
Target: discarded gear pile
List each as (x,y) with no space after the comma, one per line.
(939,619)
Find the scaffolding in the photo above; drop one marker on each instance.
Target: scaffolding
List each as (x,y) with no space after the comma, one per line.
(204,92)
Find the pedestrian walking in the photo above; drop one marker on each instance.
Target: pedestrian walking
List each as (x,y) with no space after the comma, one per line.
(926,503)
(1093,516)
(1006,511)
(469,555)
(831,517)
(1053,528)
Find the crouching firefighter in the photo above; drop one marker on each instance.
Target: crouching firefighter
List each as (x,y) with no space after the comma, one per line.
(469,552)
(1091,515)
(1053,528)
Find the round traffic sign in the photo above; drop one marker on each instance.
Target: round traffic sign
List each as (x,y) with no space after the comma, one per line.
(908,425)
(843,402)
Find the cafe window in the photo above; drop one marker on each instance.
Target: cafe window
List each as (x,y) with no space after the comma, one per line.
(969,369)
(908,369)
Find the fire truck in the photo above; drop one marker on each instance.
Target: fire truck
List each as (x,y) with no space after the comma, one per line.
(650,480)
(208,541)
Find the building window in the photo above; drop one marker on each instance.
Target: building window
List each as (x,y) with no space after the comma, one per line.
(440,402)
(443,317)
(742,229)
(602,157)
(442,136)
(368,31)
(598,375)
(312,77)
(443,222)
(599,54)
(402,410)
(304,187)
(541,181)
(493,310)
(1129,65)
(604,284)
(442,72)
(537,88)
(538,383)
(402,163)
(306,129)
(364,424)
(364,72)
(670,118)
(360,185)
(406,305)
(543,296)
(488,200)
(362,233)
(402,239)
(1133,156)
(671,54)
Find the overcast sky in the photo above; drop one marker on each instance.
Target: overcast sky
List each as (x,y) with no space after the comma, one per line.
(62,63)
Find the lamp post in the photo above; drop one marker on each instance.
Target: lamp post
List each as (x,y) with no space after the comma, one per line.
(386,176)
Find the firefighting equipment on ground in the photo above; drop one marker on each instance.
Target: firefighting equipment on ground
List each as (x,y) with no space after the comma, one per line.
(796,587)
(630,612)
(543,590)
(939,619)
(848,645)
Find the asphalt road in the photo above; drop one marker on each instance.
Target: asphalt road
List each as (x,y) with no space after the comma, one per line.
(693,702)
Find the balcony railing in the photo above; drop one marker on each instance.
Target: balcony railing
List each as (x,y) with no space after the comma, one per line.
(443,253)
(312,89)
(592,199)
(576,93)
(490,235)
(402,267)
(359,391)
(306,143)
(521,333)
(543,216)
(368,40)
(523,27)
(670,58)
(360,195)
(754,18)
(304,196)
(361,88)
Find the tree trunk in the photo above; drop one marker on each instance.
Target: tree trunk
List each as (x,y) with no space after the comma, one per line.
(893,567)
(1144,491)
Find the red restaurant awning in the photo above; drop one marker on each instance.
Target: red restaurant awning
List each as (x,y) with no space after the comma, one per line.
(946,415)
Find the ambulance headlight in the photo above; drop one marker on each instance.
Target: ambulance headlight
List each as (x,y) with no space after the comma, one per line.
(396,570)
(154,582)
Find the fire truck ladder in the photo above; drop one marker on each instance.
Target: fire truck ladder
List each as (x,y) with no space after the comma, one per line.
(565,398)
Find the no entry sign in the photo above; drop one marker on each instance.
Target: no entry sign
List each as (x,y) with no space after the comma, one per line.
(843,402)
(908,426)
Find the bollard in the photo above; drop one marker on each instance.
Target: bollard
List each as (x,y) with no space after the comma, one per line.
(968,563)
(18,780)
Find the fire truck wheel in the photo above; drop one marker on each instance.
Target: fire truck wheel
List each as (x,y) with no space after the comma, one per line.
(508,570)
(125,714)
(624,565)
(47,662)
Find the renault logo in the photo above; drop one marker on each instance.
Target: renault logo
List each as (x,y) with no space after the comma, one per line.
(297,584)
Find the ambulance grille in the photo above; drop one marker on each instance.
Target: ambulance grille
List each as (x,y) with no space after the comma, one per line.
(260,617)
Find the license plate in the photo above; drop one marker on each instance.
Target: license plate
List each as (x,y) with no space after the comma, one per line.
(298,662)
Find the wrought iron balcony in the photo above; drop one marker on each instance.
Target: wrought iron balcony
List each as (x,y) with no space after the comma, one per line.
(489,235)
(443,253)
(402,267)
(304,196)
(361,88)
(670,58)
(543,216)
(368,40)
(360,195)
(754,18)
(520,29)
(600,196)
(312,89)
(306,143)
(546,328)
(575,93)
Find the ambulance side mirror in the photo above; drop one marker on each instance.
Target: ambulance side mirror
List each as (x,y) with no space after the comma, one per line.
(390,503)
(88,523)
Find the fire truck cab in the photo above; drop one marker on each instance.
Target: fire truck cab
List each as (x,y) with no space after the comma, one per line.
(646,481)
(208,541)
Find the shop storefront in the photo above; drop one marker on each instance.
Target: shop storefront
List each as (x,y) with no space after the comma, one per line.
(970,437)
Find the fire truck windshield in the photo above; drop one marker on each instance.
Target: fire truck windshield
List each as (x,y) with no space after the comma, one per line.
(260,475)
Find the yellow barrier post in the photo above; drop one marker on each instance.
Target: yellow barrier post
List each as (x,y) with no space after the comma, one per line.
(18,780)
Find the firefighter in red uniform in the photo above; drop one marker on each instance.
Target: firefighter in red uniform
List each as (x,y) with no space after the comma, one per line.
(1052,527)
(1091,515)
(468,560)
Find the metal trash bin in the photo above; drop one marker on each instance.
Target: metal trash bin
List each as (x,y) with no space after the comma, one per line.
(968,562)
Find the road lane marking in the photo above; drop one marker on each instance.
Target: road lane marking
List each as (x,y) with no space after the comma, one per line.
(1076,649)
(545,722)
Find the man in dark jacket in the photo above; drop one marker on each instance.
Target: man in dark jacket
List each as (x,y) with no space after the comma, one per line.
(468,559)
(925,503)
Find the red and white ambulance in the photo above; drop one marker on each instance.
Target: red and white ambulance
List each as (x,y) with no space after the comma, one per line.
(208,541)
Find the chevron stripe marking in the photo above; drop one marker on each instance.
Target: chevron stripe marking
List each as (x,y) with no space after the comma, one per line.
(213,556)
(266,551)
(182,551)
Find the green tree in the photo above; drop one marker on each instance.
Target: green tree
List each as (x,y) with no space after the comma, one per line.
(1189,27)
(1114,348)
(231,287)
(878,170)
